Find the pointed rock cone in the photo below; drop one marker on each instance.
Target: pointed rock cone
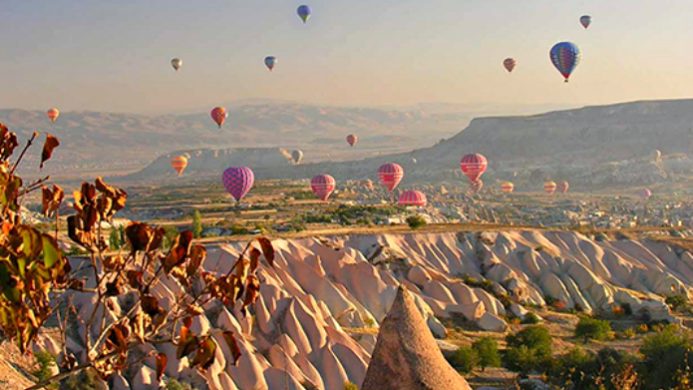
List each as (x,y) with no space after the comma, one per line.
(406,355)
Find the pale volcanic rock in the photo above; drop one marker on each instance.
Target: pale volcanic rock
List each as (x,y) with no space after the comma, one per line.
(437,290)
(491,322)
(279,379)
(418,275)
(406,355)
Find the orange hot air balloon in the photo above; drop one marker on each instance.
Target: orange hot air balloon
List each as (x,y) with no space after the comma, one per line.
(219,115)
(179,163)
(352,139)
(550,187)
(53,114)
(507,187)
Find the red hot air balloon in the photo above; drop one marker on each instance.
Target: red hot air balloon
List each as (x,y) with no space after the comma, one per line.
(53,114)
(390,175)
(352,139)
(219,115)
(323,186)
(179,163)
(412,198)
(507,187)
(563,187)
(550,187)
(473,165)
(509,64)
(238,181)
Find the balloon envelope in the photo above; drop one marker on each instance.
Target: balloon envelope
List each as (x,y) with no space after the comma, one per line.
(323,186)
(585,20)
(219,115)
(507,187)
(352,139)
(565,56)
(304,12)
(270,62)
(563,187)
(297,156)
(178,163)
(238,181)
(390,175)
(473,166)
(509,64)
(412,198)
(53,114)
(550,187)
(176,63)
(645,193)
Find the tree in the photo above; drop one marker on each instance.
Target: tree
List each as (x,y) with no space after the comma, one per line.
(487,350)
(416,221)
(197,224)
(464,359)
(594,329)
(114,241)
(666,353)
(529,350)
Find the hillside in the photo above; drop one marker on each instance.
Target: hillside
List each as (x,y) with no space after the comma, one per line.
(592,146)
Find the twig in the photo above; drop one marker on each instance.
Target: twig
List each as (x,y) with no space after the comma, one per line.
(21,155)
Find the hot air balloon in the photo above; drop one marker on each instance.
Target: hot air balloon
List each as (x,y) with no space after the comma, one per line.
(297,156)
(390,175)
(563,187)
(413,159)
(53,114)
(507,187)
(473,165)
(219,115)
(476,186)
(565,57)
(270,61)
(645,193)
(550,187)
(176,63)
(179,163)
(238,181)
(323,186)
(304,12)
(352,139)
(412,198)
(657,155)
(509,64)
(585,21)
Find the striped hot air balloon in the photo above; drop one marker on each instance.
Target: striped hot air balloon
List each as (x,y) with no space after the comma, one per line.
(412,198)
(352,139)
(238,181)
(219,115)
(507,187)
(565,56)
(179,163)
(390,175)
(509,64)
(563,187)
(323,186)
(53,114)
(550,187)
(645,194)
(473,166)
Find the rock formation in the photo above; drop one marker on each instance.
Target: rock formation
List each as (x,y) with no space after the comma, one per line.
(406,355)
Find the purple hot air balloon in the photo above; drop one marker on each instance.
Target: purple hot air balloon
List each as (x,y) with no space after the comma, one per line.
(565,57)
(238,181)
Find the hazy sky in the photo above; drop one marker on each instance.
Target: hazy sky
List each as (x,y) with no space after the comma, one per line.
(114,55)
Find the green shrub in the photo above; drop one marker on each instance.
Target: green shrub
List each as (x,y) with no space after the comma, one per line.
(486,349)
(45,361)
(529,350)
(677,302)
(592,328)
(197,224)
(530,318)
(350,386)
(114,240)
(173,384)
(464,359)
(416,221)
(665,353)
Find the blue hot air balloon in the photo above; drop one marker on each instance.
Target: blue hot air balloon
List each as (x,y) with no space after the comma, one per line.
(565,57)
(303,12)
(270,62)
(585,20)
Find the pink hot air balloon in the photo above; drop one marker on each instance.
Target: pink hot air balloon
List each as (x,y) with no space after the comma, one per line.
(550,187)
(509,64)
(563,187)
(473,165)
(323,186)
(645,193)
(352,139)
(412,198)
(219,115)
(238,181)
(390,175)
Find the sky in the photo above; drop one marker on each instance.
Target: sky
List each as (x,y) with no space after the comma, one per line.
(114,55)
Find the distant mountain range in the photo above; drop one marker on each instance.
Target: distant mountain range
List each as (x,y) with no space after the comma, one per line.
(119,143)
(591,146)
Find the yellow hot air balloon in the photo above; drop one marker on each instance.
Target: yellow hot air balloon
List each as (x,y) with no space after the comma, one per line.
(179,163)
(507,187)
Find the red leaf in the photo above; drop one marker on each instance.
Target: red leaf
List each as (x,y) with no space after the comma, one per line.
(161,361)
(233,346)
(267,249)
(48,147)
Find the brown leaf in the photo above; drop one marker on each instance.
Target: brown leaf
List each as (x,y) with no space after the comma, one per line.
(254,259)
(48,147)
(233,346)
(186,347)
(52,198)
(252,289)
(135,279)
(198,253)
(267,249)
(179,251)
(139,236)
(102,187)
(204,356)
(150,305)
(161,361)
